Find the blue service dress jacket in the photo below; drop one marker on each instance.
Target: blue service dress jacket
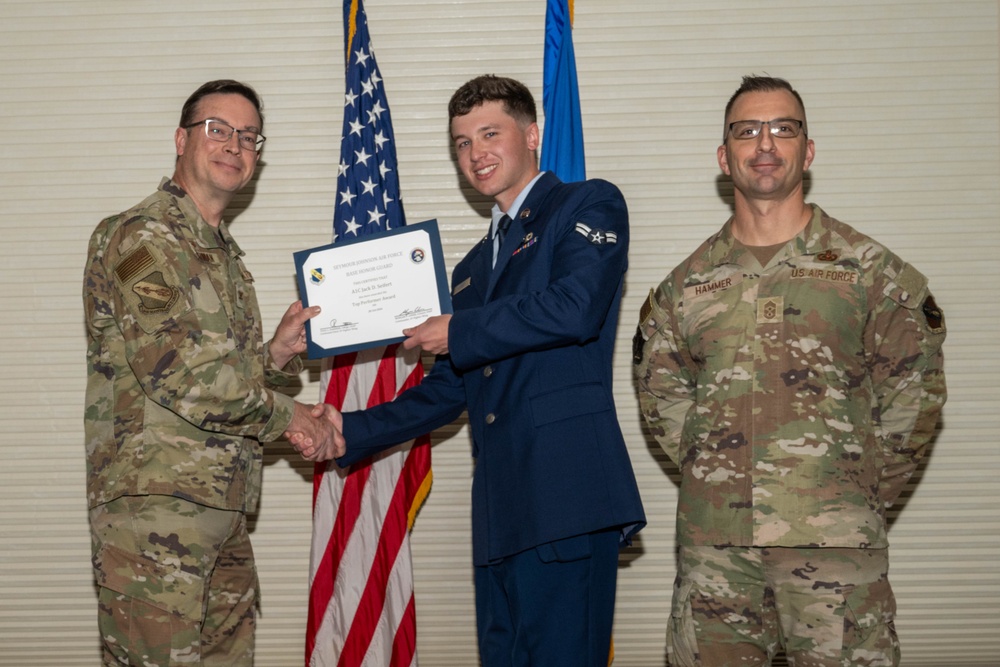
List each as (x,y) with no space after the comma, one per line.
(530,358)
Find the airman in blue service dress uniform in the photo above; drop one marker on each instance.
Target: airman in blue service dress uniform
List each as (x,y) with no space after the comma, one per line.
(528,352)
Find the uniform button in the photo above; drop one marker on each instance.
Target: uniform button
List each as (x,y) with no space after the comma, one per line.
(490,418)
(488,371)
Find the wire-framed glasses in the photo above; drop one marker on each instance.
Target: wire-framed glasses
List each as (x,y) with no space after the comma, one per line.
(783,128)
(220,131)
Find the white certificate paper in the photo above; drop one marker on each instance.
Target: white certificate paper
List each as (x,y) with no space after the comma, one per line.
(372,288)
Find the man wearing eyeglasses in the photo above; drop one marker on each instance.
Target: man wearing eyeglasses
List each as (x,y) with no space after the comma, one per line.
(181,393)
(791,367)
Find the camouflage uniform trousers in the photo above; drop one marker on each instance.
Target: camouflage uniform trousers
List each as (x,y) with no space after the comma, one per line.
(736,606)
(177,583)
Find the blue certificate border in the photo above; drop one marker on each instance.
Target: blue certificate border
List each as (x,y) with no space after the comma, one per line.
(315,351)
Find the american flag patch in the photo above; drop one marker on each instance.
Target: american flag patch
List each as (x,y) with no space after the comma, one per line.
(135,263)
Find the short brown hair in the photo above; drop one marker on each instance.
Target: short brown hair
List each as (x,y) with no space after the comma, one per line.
(220,87)
(762,84)
(517,99)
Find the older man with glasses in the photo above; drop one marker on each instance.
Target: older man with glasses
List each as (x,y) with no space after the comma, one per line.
(181,392)
(791,367)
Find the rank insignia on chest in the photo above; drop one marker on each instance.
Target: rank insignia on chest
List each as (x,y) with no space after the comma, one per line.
(596,236)
(770,310)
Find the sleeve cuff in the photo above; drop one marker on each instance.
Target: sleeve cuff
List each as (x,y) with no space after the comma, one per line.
(281,377)
(281,417)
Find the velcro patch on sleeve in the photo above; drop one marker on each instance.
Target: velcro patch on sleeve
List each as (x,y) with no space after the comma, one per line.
(934,314)
(155,295)
(639,339)
(147,286)
(647,307)
(132,265)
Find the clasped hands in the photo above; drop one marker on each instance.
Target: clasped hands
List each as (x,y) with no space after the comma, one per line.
(315,432)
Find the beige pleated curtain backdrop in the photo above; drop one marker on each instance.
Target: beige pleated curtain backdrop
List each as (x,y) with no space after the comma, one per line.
(902,99)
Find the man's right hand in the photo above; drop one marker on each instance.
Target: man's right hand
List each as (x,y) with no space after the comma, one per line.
(331,414)
(314,432)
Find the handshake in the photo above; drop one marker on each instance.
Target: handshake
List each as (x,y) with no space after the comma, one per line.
(315,432)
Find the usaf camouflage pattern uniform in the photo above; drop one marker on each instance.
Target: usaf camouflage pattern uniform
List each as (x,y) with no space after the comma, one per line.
(180,395)
(796,398)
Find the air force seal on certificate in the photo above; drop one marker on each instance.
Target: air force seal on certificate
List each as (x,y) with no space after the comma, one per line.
(596,236)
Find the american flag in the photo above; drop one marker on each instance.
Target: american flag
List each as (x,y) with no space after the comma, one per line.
(361,609)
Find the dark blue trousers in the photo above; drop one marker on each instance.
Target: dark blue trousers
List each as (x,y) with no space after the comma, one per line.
(550,606)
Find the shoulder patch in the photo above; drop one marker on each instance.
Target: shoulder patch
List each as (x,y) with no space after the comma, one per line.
(148,287)
(637,344)
(134,263)
(647,308)
(639,339)
(155,295)
(934,315)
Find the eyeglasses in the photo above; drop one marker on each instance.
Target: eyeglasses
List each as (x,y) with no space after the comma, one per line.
(216,130)
(783,128)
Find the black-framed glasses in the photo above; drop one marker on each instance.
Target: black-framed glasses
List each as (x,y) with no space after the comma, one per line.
(783,128)
(220,131)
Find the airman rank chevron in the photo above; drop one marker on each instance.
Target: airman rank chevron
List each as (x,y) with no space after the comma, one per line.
(596,236)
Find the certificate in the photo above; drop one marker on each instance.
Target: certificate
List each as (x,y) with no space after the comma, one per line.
(371,288)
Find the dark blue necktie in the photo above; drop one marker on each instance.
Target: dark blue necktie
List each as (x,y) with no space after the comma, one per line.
(502,226)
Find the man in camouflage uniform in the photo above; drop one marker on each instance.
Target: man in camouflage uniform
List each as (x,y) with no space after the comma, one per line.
(791,367)
(180,396)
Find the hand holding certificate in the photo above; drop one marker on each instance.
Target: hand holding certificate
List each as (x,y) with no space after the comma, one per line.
(372,288)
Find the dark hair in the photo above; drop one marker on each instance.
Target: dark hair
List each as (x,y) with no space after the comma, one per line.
(517,99)
(762,84)
(220,87)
